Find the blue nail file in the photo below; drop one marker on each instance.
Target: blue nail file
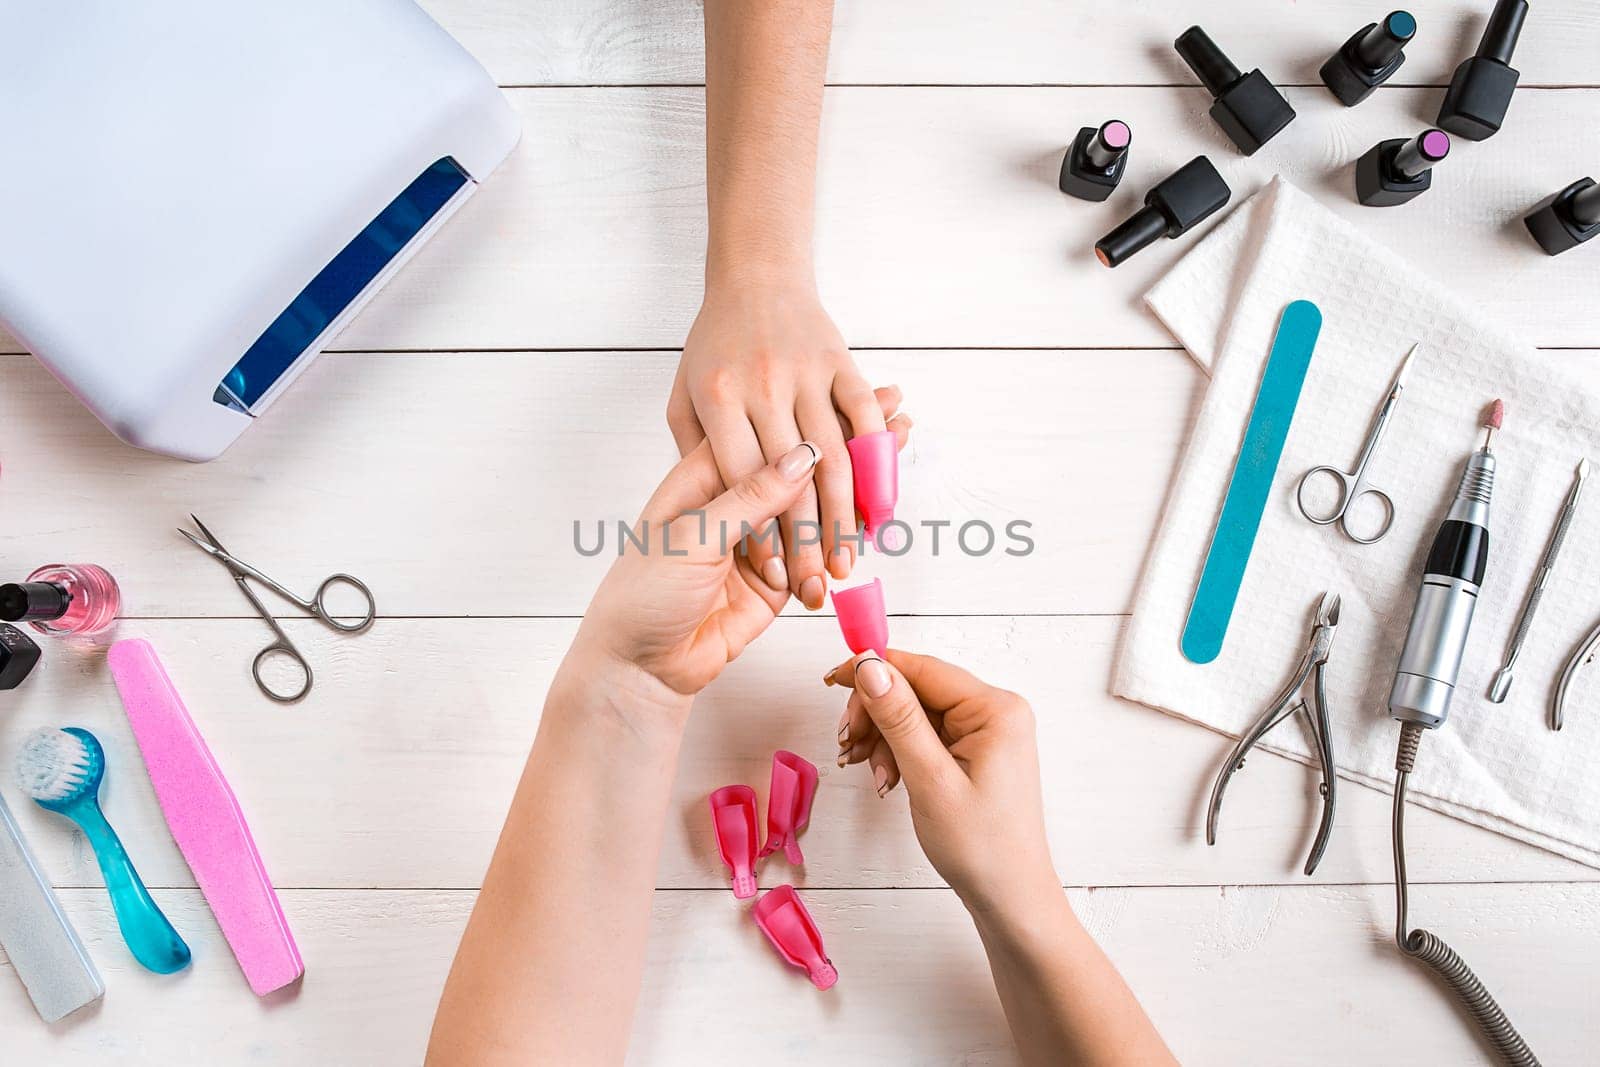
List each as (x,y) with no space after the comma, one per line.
(1251,483)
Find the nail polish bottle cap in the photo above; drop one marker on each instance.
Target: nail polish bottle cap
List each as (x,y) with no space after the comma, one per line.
(33,600)
(875,469)
(18,656)
(862,618)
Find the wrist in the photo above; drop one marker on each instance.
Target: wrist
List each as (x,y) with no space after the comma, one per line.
(596,684)
(1018,903)
(733,263)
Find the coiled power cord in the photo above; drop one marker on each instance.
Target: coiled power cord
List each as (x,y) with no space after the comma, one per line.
(1427,948)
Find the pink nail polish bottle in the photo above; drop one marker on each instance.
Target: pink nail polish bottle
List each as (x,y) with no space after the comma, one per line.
(63,598)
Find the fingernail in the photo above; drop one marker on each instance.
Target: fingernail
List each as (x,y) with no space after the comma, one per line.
(798,460)
(873,677)
(842,756)
(844,561)
(811,592)
(827,679)
(881,776)
(844,728)
(775,574)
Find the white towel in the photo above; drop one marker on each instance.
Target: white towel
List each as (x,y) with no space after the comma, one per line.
(1499,766)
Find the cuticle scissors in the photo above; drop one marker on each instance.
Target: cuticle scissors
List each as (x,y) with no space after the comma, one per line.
(316,607)
(1353,484)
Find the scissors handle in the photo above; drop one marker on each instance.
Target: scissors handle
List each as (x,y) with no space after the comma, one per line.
(1351,490)
(282,648)
(319,603)
(1346,483)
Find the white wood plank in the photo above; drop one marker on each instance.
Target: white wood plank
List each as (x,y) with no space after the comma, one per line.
(580,42)
(500,453)
(397,770)
(1284,975)
(940,224)
(497,455)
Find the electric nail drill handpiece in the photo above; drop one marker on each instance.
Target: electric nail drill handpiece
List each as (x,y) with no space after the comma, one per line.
(1420,700)
(1431,660)
(1188,196)
(1369,58)
(1248,107)
(1480,90)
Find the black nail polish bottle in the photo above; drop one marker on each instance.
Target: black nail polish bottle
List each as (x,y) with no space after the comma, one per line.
(1192,193)
(1095,163)
(1247,106)
(18,655)
(1369,58)
(1480,90)
(1393,172)
(1568,218)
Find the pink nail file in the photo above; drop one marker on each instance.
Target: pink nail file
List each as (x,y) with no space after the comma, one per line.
(205,820)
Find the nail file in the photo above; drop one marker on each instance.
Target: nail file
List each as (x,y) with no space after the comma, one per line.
(36,935)
(205,820)
(1253,472)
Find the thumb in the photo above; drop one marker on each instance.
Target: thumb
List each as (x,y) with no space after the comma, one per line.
(899,716)
(756,500)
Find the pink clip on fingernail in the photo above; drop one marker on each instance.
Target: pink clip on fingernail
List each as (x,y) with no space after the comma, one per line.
(733,812)
(794,784)
(783,917)
(875,469)
(862,617)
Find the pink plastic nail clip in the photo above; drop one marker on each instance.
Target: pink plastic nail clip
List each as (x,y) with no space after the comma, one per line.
(794,784)
(862,617)
(733,813)
(875,469)
(783,917)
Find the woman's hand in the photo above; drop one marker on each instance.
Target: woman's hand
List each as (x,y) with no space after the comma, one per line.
(967,754)
(684,606)
(764,368)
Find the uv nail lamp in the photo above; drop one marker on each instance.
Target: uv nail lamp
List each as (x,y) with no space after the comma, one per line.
(195,197)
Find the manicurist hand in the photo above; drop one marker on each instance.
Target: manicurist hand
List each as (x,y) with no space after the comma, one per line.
(684,608)
(968,756)
(763,368)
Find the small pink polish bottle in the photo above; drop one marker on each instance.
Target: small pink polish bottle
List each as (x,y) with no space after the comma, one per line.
(63,598)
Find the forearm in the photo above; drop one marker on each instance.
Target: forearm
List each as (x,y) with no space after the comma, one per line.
(1063,998)
(765,67)
(549,967)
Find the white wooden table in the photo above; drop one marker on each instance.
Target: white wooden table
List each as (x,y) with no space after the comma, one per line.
(514,379)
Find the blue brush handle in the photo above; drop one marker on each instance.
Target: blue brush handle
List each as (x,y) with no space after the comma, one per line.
(149,935)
